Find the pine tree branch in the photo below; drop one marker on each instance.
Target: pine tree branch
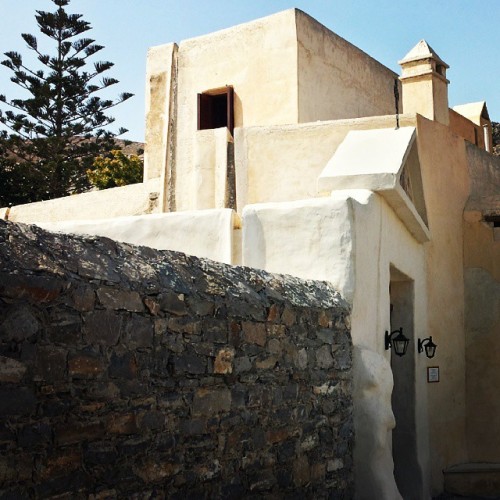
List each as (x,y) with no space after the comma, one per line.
(33,73)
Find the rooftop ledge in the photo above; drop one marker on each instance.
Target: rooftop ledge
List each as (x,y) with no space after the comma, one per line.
(375,160)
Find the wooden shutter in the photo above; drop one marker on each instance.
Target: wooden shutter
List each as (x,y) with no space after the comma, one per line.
(230,109)
(204,111)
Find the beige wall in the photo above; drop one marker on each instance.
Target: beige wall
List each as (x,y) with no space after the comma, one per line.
(484,171)
(134,199)
(311,239)
(210,160)
(482,308)
(446,187)
(259,60)
(482,321)
(285,69)
(426,94)
(283,163)
(336,79)
(160,73)
(418,96)
(216,232)
(440,95)
(465,128)
(477,114)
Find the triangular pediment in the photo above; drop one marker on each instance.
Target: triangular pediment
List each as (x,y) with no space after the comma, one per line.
(384,161)
(422,51)
(473,111)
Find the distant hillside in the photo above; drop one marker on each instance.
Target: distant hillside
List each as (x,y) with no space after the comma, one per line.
(131,148)
(128,147)
(496,138)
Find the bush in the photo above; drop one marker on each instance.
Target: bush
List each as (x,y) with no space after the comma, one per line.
(115,170)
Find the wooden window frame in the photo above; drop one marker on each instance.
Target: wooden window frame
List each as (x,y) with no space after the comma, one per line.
(206,113)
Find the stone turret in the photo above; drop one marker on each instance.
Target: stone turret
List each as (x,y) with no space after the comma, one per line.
(425,87)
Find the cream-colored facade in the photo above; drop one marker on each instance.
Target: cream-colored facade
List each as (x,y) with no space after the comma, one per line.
(279,145)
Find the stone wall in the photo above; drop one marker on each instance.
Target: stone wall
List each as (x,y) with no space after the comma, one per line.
(130,372)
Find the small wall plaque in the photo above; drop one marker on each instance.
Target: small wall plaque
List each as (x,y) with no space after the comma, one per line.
(432,374)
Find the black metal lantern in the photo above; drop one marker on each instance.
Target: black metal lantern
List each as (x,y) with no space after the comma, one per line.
(399,342)
(428,345)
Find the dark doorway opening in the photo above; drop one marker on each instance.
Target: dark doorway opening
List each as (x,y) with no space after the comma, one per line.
(407,471)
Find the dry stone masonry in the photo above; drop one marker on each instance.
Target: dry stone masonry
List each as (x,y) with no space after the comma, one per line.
(131,372)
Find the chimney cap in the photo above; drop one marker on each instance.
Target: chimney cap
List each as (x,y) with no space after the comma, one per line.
(422,51)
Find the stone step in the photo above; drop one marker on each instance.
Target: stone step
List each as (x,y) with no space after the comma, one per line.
(473,480)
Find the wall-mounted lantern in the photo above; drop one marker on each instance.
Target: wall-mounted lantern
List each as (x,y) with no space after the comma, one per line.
(428,345)
(399,342)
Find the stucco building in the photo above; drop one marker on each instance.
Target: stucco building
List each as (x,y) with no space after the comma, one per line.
(277,144)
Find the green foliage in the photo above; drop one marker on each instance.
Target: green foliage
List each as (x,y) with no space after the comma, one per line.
(115,170)
(18,185)
(496,138)
(54,134)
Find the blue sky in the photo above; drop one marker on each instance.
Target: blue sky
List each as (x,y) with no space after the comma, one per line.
(465,34)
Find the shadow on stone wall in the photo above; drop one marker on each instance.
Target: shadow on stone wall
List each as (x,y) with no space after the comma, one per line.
(126,370)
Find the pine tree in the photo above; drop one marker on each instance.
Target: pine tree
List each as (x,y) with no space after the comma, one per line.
(55,133)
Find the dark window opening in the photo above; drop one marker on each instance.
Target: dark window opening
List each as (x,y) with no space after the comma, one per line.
(216,109)
(440,69)
(493,219)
